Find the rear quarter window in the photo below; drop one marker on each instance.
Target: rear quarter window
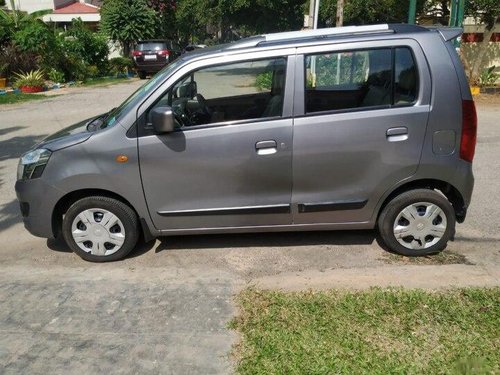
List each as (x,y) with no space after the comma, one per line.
(405,77)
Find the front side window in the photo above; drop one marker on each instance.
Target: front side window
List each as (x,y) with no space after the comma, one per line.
(359,79)
(228,92)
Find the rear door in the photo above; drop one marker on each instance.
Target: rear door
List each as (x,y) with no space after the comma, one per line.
(361,115)
(219,171)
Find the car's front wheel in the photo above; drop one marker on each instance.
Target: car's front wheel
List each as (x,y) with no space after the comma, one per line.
(100,229)
(142,75)
(417,222)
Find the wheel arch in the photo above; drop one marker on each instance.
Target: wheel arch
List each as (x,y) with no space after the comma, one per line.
(67,200)
(449,191)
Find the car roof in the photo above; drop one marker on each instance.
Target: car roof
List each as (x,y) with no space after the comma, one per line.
(153,41)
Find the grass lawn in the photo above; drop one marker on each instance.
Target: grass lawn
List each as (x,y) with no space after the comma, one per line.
(19,98)
(379,331)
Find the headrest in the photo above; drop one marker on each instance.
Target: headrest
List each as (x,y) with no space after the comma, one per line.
(407,79)
(187,90)
(278,81)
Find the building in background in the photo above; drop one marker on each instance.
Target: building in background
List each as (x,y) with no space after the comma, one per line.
(63,11)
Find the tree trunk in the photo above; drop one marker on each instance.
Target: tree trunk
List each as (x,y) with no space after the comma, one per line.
(482,49)
(340,13)
(126,48)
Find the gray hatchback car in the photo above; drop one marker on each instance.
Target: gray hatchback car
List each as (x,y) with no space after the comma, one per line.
(345,128)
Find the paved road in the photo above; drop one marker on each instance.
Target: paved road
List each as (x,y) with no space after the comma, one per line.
(165,308)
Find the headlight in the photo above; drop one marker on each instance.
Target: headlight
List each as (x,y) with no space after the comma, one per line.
(32,164)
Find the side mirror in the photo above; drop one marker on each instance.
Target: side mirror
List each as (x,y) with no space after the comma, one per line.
(163,120)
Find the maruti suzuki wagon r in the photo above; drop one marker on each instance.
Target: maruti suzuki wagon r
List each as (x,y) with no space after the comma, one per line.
(345,128)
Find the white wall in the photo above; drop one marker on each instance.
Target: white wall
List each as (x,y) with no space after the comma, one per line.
(31,6)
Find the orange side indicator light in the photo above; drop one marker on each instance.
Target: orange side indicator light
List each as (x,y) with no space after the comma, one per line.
(122,158)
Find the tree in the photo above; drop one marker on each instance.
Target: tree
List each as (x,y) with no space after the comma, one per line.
(486,12)
(166,25)
(264,16)
(362,12)
(127,21)
(227,20)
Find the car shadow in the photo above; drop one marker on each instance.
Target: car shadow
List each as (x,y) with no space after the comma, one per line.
(10,214)
(277,239)
(59,245)
(11,129)
(14,147)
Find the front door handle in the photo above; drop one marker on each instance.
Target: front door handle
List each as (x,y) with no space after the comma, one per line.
(266,147)
(397,134)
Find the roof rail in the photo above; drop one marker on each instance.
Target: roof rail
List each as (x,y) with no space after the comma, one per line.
(325,33)
(254,41)
(332,31)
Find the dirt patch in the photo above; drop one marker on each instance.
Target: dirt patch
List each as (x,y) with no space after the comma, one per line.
(445,257)
(487,99)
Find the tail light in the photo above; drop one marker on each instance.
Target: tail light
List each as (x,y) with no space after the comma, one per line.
(469,130)
(164,52)
(136,53)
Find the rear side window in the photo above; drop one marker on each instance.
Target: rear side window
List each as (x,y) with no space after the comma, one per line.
(360,79)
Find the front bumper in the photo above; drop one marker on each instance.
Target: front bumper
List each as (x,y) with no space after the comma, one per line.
(37,200)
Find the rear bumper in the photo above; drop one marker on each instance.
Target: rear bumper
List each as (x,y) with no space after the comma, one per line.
(37,200)
(150,67)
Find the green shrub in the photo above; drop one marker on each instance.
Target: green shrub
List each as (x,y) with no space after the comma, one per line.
(35,37)
(3,69)
(92,71)
(488,77)
(15,60)
(120,65)
(56,76)
(81,43)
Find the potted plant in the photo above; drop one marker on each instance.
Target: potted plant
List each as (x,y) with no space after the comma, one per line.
(3,79)
(30,82)
(488,79)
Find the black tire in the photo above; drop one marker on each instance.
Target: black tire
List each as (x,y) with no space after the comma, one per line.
(141,74)
(124,213)
(392,210)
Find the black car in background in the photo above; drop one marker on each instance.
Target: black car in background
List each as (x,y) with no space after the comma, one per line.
(150,56)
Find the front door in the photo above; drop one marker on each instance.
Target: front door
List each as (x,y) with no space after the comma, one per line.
(229,162)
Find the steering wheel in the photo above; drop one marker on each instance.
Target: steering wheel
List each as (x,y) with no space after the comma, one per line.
(180,115)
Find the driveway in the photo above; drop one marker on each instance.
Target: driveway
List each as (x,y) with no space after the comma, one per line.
(165,308)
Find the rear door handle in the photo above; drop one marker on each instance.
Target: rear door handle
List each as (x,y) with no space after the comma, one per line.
(266,147)
(397,134)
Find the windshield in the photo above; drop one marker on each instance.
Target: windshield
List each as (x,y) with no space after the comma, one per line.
(142,92)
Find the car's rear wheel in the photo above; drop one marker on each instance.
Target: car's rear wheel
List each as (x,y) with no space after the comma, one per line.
(142,75)
(100,229)
(417,222)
